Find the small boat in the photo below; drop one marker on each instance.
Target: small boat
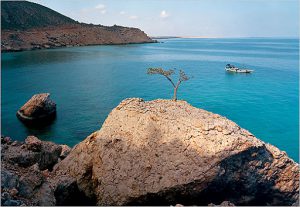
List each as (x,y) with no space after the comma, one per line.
(232,68)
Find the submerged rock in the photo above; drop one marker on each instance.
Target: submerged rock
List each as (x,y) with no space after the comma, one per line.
(163,152)
(40,109)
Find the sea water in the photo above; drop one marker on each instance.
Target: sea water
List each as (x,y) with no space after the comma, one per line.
(88,82)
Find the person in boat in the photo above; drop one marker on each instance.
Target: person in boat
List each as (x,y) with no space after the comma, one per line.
(230,66)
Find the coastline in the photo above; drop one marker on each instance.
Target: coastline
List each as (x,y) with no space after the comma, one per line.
(73,46)
(113,135)
(70,36)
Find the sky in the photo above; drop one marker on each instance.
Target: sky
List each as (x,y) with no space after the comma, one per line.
(188,18)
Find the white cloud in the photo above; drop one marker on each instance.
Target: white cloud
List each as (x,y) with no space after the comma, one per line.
(164,14)
(122,12)
(100,6)
(133,17)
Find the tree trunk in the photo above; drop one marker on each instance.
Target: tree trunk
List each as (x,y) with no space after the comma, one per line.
(175,94)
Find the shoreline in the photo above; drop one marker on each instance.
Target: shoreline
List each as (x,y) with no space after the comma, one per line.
(213,37)
(72,46)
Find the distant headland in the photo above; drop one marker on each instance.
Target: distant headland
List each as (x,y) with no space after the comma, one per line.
(28,26)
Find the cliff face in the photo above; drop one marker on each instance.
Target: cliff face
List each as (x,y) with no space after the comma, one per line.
(27,26)
(165,152)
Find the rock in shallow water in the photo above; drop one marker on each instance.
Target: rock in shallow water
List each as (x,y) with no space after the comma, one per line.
(163,152)
(39,110)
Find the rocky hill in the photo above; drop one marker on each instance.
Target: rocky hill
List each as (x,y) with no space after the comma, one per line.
(23,15)
(163,152)
(26,25)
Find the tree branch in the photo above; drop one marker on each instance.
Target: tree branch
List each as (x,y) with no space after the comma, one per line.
(178,83)
(170,81)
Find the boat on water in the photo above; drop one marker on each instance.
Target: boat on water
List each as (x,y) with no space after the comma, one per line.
(232,68)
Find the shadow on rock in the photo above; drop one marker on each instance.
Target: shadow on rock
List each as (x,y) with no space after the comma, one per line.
(166,153)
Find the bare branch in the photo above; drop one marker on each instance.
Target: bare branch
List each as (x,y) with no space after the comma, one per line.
(160,71)
(178,83)
(171,81)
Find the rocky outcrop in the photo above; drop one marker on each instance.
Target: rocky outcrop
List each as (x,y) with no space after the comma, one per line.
(29,26)
(25,171)
(159,152)
(38,110)
(33,151)
(164,152)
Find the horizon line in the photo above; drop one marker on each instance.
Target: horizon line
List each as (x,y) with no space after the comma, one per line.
(213,37)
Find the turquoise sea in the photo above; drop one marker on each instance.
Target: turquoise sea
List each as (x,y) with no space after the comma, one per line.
(88,82)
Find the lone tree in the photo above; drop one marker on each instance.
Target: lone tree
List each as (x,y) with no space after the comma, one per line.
(167,74)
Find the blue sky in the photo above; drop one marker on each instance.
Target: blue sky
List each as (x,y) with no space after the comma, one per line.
(204,18)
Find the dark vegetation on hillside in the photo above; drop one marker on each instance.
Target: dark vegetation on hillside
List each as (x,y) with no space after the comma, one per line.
(23,15)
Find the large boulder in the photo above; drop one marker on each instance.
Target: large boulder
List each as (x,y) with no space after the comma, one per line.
(164,152)
(40,109)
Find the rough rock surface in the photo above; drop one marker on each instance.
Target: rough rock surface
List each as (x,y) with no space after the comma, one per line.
(25,171)
(33,151)
(65,150)
(40,108)
(224,203)
(165,152)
